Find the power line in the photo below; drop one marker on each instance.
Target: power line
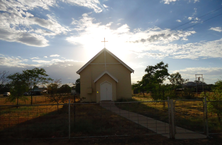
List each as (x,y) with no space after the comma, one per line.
(199,17)
(203,21)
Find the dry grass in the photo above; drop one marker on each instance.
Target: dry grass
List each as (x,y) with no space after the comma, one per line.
(52,122)
(188,114)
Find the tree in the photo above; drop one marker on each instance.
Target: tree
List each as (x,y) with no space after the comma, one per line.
(65,89)
(176,79)
(53,92)
(176,82)
(19,86)
(35,77)
(215,98)
(3,80)
(77,86)
(153,79)
(218,86)
(157,73)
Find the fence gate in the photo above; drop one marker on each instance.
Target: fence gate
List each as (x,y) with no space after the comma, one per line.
(189,117)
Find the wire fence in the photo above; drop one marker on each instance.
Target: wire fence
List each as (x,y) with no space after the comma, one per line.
(82,120)
(189,114)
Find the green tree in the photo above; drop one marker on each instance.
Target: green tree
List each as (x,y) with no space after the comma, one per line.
(19,86)
(53,92)
(3,80)
(65,89)
(216,97)
(176,79)
(35,77)
(218,86)
(176,82)
(153,80)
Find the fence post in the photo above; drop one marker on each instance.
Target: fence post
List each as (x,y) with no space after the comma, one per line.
(169,116)
(172,118)
(206,118)
(69,117)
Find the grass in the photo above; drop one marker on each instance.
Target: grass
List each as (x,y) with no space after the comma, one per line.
(50,122)
(188,114)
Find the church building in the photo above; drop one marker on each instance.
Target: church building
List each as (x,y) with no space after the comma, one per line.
(105,77)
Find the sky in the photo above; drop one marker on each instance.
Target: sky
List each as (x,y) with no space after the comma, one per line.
(62,35)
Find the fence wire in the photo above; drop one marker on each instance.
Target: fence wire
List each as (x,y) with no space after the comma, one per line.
(214,117)
(84,120)
(189,114)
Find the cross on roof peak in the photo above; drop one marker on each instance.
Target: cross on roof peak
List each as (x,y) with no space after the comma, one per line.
(104,42)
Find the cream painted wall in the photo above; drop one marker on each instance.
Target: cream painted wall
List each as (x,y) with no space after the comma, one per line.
(122,89)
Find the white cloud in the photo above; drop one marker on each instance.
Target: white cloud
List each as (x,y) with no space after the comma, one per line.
(12,61)
(168,1)
(218,29)
(54,55)
(92,4)
(122,39)
(45,56)
(171,1)
(190,18)
(179,21)
(210,74)
(66,71)
(105,6)
(194,19)
(18,24)
(154,42)
(210,49)
(42,61)
(35,58)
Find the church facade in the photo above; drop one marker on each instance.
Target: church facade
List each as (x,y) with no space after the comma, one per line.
(105,77)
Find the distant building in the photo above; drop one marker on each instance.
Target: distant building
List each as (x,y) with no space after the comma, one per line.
(38,91)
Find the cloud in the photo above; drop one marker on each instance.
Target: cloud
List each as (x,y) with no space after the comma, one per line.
(194,19)
(105,6)
(156,35)
(54,55)
(18,24)
(31,39)
(35,58)
(12,61)
(91,4)
(171,1)
(210,74)
(66,72)
(168,1)
(154,42)
(42,61)
(123,39)
(179,21)
(218,29)
(209,49)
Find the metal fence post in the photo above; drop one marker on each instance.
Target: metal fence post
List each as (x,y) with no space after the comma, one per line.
(206,118)
(172,118)
(169,117)
(69,117)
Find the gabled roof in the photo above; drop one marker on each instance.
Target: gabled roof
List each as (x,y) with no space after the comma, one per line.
(105,72)
(91,60)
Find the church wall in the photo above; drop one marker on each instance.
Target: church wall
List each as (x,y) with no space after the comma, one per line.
(95,69)
(86,84)
(124,80)
(99,59)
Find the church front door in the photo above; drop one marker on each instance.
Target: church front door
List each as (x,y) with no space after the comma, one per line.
(106,91)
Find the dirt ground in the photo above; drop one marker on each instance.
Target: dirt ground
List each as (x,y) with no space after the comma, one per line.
(131,140)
